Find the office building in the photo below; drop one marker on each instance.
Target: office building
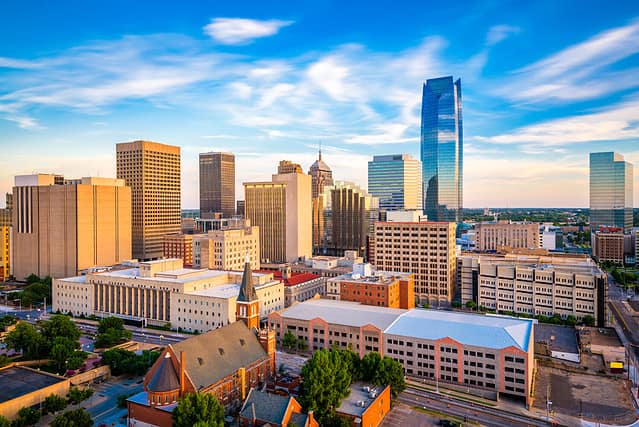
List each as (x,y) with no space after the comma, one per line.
(5,213)
(396,180)
(152,170)
(240,208)
(5,252)
(281,209)
(286,166)
(426,249)
(504,235)
(535,285)
(179,246)
(226,249)
(217,183)
(488,352)
(227,363)
(611,191)
(162,291)
(64,226)
(321,176)
(608,245)
(442,149)
(379,288)
(348,214)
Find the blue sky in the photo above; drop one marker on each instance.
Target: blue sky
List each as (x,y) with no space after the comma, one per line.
(543,83)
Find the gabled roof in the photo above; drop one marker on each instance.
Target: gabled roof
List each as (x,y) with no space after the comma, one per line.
(471,329)
(165,378)
(263,406)
(214,355)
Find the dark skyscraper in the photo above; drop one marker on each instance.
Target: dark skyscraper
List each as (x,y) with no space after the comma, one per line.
(442,149)
(217,183)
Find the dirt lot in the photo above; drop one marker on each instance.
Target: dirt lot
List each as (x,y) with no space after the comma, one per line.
(578,394)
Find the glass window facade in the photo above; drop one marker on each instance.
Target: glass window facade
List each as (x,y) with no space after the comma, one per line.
(611,187)
(442,149)
(396,180)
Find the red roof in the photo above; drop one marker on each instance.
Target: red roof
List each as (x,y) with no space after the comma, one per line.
(295,279)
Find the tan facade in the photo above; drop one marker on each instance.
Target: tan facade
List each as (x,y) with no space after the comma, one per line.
(5,252)
(179,246)
(535,285)
(286,166)
(282,211)
(161,292)
(64,228)
(227,249)
(608,247)
(152,170)
(426,249)
(491,236)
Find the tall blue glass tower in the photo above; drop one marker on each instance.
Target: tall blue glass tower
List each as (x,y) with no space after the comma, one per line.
(442,149)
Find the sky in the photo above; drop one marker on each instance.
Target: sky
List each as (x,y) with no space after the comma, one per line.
(544,83)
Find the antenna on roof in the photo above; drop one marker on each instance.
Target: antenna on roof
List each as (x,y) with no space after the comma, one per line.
(320,149)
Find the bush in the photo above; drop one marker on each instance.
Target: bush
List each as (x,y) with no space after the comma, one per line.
(74,418)
(53,403)
(77,395)
(26,417)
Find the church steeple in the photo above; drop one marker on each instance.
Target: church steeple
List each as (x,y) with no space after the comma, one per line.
(247,305)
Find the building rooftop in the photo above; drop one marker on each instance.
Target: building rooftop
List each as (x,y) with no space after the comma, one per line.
(263,406)
(343,313)
(294,279)
(472,329)
(362,396)
(559,338)
(556,262)
(18,381)
(219,291)
(378,277)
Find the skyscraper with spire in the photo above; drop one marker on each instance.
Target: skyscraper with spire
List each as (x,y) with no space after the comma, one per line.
(321,176)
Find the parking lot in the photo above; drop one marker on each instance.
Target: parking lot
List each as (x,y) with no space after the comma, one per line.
(403,415)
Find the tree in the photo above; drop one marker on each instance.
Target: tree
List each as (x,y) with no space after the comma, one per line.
(60,326)
(588,320)
(61,350)
(383,371)
(74,418)
(198,409)
(4,422)
(289,341)
(122,361)
(302,345)
(4,360)
(25,338)
(26,417)
(471,305)
(326,382)
(77,395)
(6,321)
(53,403)
(111,331)
(571,320)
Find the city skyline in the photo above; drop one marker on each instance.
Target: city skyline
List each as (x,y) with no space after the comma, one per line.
(269,86)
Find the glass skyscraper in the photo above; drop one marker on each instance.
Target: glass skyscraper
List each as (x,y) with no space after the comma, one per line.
(396,179)
(442,149)
(611,198)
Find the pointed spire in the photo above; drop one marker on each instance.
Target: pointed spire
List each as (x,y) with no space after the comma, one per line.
(320,150)
(247,291)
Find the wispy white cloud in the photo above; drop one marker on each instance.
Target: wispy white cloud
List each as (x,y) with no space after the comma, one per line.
(234,31)
(499,33)
(617,122)
(581,71)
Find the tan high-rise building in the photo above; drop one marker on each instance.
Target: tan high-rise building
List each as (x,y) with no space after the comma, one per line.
(152,170)
(424,248)
(5,214)
(61,229)
(5,252)
(226,249)
(321,175)
(491,236)
(217,183)
(282,210)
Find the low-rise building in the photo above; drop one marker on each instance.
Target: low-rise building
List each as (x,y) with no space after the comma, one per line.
(490,352)
(26,387)
(261,408)
(298,286)
(493,235)
(227,248)
(366,405)
(535,285)
(325,266)
(179,246)
(608,245)
(227,362)
(379,288)
(161,292)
